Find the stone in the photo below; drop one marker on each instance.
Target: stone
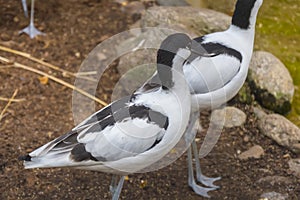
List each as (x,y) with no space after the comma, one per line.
(273,180)
(197,20)
(134,7)
(246,138)
(139,64)
(254,152)
(273,196)
(281,130)
(230,116)
(259,113)
(172,3)
(270,82)
(225,6)
(294,165)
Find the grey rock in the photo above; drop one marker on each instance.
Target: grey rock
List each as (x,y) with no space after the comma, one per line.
(172,3)
(254,152)
(133,78)
(294,165)
(271,82)
(143,44)
(272,180)
(274,196)
(259,113)
(134,7)
(281,130)
(229,116)
(198,3)
(137,65)
(199,21)
(225,6)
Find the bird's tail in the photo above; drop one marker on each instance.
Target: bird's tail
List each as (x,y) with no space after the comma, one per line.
(47,161)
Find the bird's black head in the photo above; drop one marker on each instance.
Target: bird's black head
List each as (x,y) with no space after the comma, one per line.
(244,10)
(175,44)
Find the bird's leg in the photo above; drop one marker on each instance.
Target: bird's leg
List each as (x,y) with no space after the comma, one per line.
(116,187)
(191,180)
(190,131)
(113,183)
(207,181)
(30,29)
(24,4)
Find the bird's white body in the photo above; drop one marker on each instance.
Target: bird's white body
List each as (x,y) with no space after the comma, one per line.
(216,80)
(178,120)
(128,145)
(123,143)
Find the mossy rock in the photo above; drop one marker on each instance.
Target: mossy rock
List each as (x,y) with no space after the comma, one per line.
(270,82)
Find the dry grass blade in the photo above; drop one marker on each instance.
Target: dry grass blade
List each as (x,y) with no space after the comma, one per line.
(12,100)
(19,65)
(28,56)
(86,73)
(8,104)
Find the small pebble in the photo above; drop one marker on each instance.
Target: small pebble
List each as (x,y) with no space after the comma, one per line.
(16,19)
(77,54)
(294,165)
(246,138)
(254,152)
(273,196)
(5,37)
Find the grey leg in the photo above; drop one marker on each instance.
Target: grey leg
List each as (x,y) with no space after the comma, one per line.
(31,30)
(191,180)
(24,4)
(116,188)
(207,181)
(190,132)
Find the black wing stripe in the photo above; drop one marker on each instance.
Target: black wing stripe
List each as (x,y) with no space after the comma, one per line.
(154,144)
(107,112)
(212,48)
(131,112)
(79,152)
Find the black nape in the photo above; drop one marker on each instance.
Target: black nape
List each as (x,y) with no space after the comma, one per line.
(242,13)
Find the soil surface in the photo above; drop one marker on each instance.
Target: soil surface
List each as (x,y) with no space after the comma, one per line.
(73,28)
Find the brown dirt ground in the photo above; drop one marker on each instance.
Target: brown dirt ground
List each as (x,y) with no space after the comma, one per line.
(74,28)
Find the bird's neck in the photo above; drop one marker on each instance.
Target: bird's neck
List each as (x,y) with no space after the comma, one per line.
(245,14)
(245,33)
(170,70)
(244,38)
(172,78)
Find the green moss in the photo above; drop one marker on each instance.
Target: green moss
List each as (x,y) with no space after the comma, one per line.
(245,95)
(278,31)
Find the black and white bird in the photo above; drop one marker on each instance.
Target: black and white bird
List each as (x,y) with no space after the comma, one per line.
(217,75)
(30,30)
(132,133)
(217,78)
